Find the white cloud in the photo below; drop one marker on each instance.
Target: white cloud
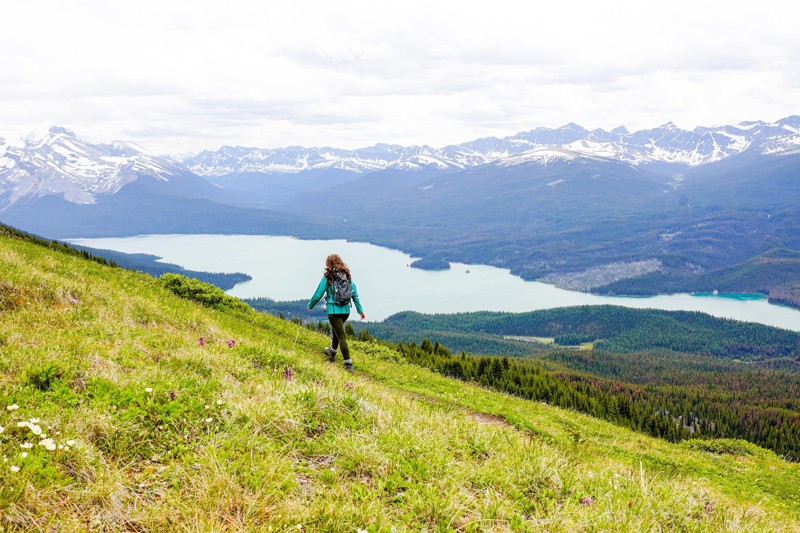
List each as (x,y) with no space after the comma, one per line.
(174,76)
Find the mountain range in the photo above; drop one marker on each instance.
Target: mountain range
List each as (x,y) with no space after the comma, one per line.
(53,161)
(559,204)
(665,144)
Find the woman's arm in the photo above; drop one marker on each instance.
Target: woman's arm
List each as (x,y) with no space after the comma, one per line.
(319,293)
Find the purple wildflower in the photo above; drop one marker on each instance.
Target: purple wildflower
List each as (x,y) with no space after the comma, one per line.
(587,500)
(288,373)
(201,341)
(231,343)
(72,300)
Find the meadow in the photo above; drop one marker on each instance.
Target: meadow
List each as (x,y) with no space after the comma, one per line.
(141,404)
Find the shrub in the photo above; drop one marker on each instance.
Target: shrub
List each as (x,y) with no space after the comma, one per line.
(202,293)
(727,447)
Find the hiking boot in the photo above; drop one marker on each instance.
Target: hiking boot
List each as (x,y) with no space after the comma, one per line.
(331,353)
(348,365)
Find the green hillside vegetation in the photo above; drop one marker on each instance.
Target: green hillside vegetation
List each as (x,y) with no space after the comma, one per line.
(675,375)
(617,329)
(127,407)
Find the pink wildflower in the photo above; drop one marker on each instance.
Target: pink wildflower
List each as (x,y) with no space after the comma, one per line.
(201,341)
(72,300)
(231,343)
(587,500)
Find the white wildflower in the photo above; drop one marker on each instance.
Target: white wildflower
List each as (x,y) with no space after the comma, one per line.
(14,469)
(36,430)
(209,420)
(219,402)
(26,446)
(149,389)
(34,420)
(2,429)
(66,448)
(23,424)
(24,455)
(12,407)
(70,442)
(48,444)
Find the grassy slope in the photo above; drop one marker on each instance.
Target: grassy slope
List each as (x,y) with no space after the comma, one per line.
(172,435)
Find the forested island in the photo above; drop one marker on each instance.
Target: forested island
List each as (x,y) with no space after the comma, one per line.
(427,263)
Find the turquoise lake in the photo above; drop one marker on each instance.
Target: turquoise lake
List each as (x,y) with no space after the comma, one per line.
(285,268)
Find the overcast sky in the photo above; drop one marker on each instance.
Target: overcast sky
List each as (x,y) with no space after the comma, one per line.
(178,76)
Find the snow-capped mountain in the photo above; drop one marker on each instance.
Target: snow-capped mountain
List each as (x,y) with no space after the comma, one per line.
(665,144)
(293,159)
(53,161)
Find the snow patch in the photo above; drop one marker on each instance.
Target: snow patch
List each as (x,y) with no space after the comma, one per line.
(542,156)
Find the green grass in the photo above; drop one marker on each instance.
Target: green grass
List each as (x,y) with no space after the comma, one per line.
(550,341)
(153,430)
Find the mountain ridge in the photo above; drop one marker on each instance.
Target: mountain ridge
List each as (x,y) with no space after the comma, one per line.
(666,143)
(53,160)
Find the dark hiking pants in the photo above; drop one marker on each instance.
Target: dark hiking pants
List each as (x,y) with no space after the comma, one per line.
(339,336)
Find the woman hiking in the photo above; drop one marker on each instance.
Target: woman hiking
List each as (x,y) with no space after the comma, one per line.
(338,288)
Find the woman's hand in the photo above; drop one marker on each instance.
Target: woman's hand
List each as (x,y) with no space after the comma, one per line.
(363,316)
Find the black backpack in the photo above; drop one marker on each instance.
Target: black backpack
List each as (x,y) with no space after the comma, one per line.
(342,294)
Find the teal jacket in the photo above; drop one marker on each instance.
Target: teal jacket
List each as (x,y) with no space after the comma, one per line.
(326,289)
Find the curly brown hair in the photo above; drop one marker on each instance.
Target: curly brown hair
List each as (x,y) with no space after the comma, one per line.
(335,264)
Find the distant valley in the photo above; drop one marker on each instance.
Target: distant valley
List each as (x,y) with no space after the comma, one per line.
(619,212)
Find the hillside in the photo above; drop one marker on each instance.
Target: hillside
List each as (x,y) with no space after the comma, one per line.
(773,273)
(148,412)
